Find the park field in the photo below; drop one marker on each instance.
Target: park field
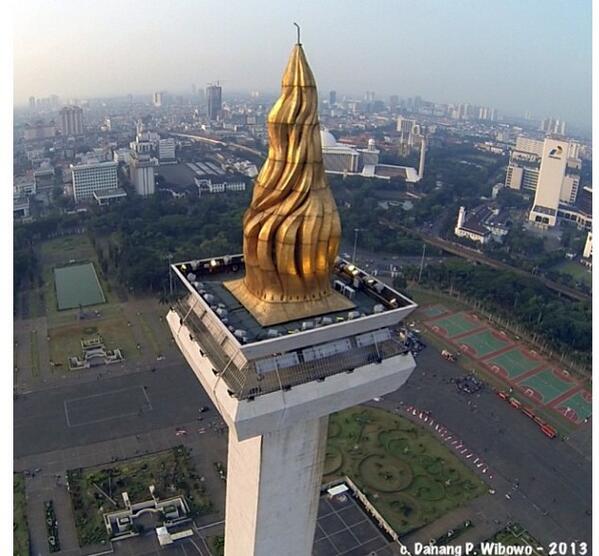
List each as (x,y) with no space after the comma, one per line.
(20,528)
(406,473)
(95,490)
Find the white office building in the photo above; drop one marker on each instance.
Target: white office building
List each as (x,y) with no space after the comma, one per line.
(142,163)
(91,177)
(559,176)
(587,253)
(166,151)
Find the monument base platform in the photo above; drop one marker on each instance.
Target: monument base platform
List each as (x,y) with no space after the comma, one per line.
(269,313)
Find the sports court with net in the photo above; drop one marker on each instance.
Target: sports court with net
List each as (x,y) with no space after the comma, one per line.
(577,407)
(454,325)
(483,343)
(77,286)
(548,384)
(513,363)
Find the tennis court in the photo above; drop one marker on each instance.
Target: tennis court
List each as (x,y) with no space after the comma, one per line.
(77,285)
(514,362)
(483,343)
(434,311)
(454,325)
(577,407)
(548,384)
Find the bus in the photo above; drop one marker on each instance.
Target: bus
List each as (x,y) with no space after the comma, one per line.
(549,431)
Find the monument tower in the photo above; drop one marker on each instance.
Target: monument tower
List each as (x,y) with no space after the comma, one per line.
(286,334)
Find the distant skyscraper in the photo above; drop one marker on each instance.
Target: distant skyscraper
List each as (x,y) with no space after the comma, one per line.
(332,98)
(71,121)
(159,99)
(194,89)
(393,102)
(214,97)
(553,126)
(32,103)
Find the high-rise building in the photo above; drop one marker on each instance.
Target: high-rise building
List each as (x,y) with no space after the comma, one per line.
(214,94)
(142,163)
(159,99)
(166,151)
(552,126)
(559,176)
(39,130)
(393,102)
(332,98)
(285,335)
(32,103)
(194,89)
(523,168)
(93,177)
(405,125)
(71,121)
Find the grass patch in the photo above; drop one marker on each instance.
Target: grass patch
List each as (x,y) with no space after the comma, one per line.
(405,472)
(65,341)
(216,545)
(423,296)
(514,535)
(579,272)
(64,251)
(149,334)
(171,472)
(20,528)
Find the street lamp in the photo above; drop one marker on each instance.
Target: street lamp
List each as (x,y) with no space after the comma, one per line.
(356,231)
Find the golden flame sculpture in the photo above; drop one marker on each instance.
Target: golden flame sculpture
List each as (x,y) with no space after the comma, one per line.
(291,230)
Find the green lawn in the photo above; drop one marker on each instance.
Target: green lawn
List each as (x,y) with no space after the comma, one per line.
(576,270)
(515,535)
(65,251)
(65,341)
(20,528)
(406,473)
(172,472)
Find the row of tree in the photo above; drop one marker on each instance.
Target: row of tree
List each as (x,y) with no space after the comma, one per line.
(565,324)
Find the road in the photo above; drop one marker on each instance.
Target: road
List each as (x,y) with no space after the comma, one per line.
(204,139)
(476,256)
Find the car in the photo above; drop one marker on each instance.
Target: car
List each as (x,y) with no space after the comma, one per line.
(508,496)
(203,409)
(376,399)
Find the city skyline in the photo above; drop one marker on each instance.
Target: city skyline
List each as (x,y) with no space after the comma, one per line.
(222,44)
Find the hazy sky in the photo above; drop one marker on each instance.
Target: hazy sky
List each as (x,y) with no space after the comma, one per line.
(515,55)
